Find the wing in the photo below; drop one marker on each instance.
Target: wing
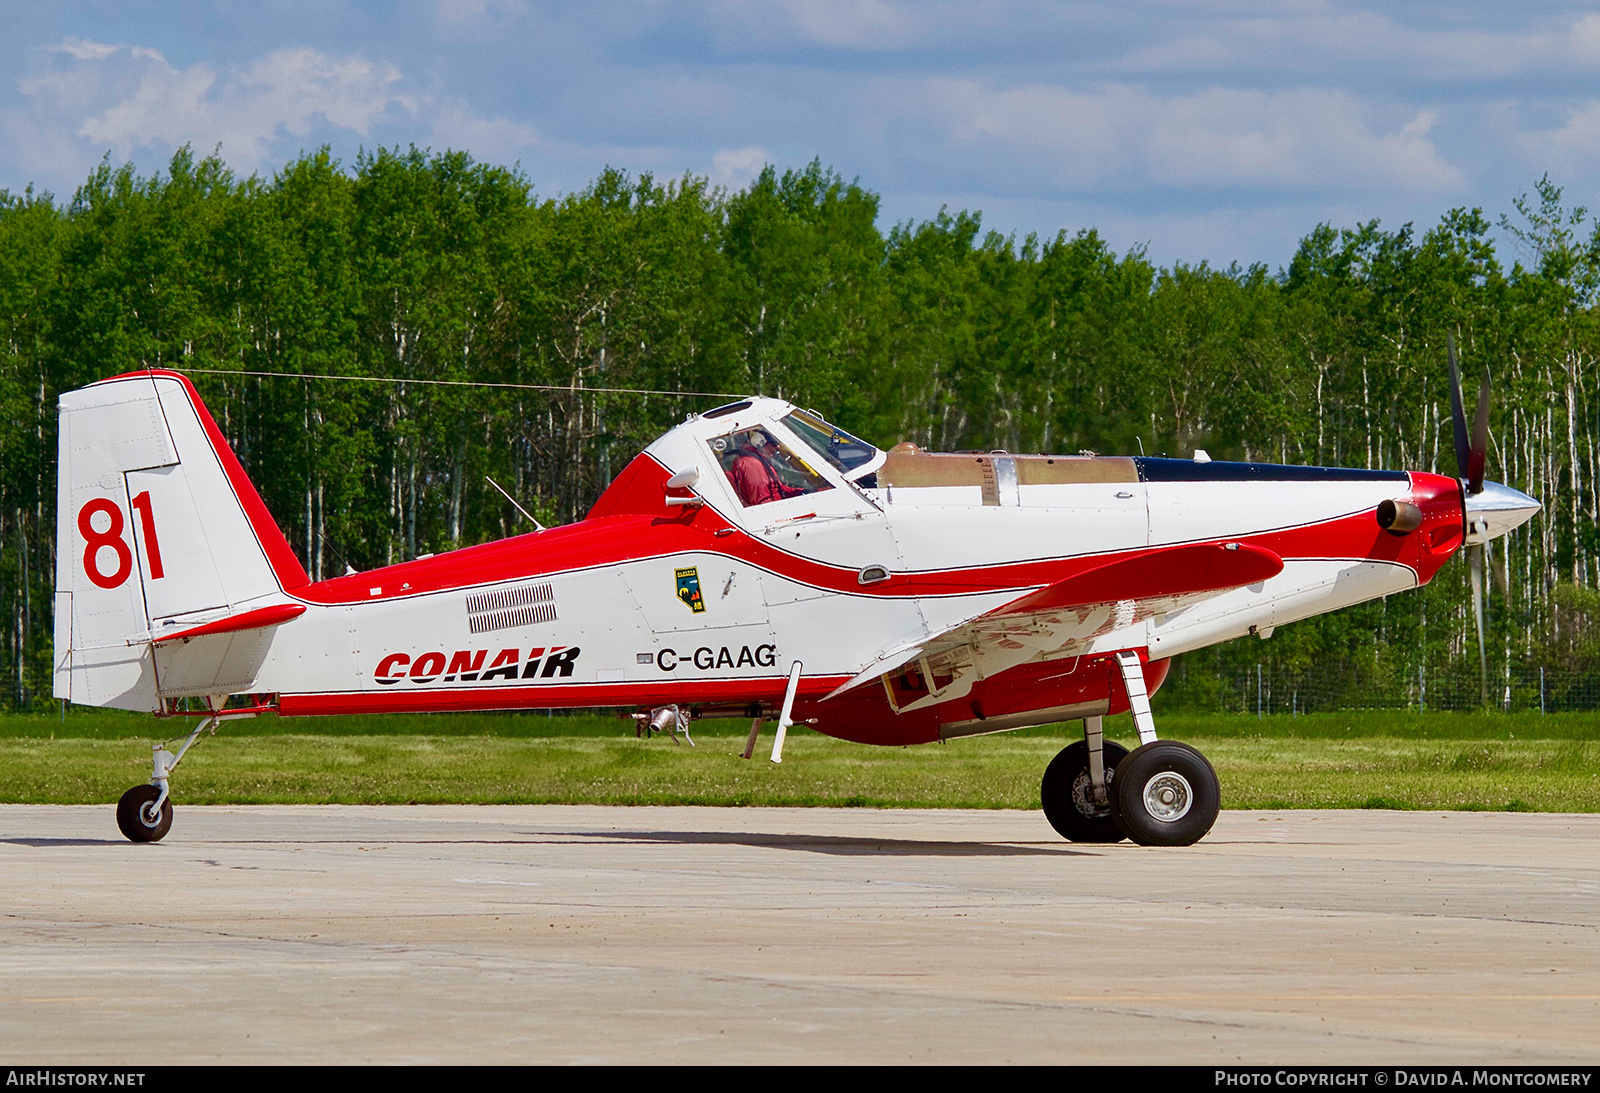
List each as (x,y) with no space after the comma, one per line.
(1071,612)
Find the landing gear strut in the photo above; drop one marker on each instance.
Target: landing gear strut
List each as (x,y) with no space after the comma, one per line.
(1162,793)
(1068,795)
(144,814)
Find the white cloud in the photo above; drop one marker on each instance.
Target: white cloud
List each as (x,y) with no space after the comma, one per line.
(1568,150)
(849,24)
(126,98)
(98,51)
(736,168)
(1307,139)
(1246,233)
(243,110)
(1584,38)
(1319,37)
(478,11)
(489,140)
(84,98)
(832,24)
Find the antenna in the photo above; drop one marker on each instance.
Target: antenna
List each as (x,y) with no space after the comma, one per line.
(513,500)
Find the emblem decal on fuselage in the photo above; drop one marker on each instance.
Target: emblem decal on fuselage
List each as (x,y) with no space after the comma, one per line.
(689,589)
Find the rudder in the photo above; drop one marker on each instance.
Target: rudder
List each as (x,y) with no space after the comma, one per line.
(157,530)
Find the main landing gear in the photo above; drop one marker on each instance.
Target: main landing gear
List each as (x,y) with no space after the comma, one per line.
(144,814)
(1162,793)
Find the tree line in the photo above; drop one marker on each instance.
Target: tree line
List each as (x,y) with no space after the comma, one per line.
(417,266)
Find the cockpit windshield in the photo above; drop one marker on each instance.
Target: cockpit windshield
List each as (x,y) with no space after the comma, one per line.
(835,445)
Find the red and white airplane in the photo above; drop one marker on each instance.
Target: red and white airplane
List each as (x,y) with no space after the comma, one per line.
(753,562)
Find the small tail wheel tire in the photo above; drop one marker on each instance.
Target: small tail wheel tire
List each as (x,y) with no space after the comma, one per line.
(138,821)
(1068,798)
(1166,794)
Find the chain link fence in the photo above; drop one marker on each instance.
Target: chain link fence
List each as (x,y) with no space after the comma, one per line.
(1266,688)
(27,687)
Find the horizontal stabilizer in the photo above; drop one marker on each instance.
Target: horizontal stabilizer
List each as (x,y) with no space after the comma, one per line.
(248,620)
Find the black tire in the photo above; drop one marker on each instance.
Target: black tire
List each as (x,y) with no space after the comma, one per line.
(1166,794)
(132,818)
(1064,793)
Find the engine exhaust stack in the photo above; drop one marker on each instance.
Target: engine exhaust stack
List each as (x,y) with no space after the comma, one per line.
(1399,517)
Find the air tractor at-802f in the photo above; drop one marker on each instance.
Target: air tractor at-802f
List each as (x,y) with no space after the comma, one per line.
(754,562)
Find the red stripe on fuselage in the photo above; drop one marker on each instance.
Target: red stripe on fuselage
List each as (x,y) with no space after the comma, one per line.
(550,697)
(614,539)
(618,537)
(862,715)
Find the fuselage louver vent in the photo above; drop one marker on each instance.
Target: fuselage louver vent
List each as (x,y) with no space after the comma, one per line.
(523,605)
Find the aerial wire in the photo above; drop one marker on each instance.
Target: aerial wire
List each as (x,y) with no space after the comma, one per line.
(552,387)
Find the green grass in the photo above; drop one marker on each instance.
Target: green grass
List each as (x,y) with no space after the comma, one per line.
(1366,759)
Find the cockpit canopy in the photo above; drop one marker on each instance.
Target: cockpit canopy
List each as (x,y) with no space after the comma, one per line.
(769,450)
(762,468)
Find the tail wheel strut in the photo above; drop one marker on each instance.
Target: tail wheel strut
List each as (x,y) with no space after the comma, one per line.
(144,813)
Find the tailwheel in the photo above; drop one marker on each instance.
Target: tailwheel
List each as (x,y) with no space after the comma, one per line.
(1165,794)
(1068,796)
(139,816)
(145,812)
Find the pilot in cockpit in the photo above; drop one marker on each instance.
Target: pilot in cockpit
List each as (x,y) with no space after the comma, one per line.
(753,476)
(761,469)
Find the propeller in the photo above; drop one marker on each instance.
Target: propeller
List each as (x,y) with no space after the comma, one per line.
(1471,455)
(1475,562)
(1471,449)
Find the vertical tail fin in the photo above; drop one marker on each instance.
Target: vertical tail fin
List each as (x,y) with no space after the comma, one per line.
(157,529)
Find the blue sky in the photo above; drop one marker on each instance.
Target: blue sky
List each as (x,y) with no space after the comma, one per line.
(1201,129)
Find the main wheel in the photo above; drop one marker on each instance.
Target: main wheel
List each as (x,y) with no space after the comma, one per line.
(135,818)
(1068,803)
(1166,794)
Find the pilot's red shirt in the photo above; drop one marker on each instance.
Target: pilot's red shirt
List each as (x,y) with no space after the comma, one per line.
(755,482)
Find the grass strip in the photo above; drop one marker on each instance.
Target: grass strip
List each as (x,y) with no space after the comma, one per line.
(93,723)
(1480,762)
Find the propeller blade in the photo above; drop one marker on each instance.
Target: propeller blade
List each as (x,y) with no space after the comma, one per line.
(1458,413)
(1502,581)
(1479,453)
(1475,559)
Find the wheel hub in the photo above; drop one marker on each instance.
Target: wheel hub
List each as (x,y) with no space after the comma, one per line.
(1168,796)
(1083,797)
